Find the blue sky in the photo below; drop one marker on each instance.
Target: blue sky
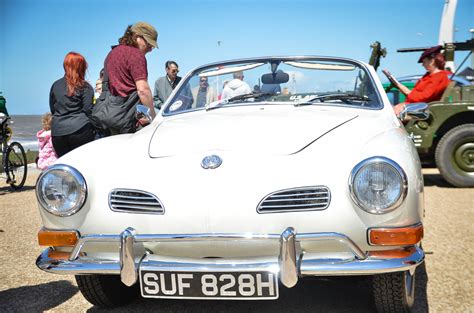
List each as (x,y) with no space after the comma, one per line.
(36,35)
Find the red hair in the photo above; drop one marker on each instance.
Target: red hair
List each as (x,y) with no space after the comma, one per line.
(75,66)
(439,60)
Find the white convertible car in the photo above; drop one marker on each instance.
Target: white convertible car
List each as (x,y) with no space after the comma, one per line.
(255,174)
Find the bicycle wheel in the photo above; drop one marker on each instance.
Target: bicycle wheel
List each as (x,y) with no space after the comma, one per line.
(17,167)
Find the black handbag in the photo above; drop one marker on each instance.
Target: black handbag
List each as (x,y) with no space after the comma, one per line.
(114,114)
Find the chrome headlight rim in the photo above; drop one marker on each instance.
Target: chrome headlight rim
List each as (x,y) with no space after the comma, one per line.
(372,160)
(82,188)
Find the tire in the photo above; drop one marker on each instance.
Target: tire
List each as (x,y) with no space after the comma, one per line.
(455,156)
(394,292)
(106,290)
(16,165)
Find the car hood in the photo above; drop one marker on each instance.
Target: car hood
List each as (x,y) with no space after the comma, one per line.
(256,130)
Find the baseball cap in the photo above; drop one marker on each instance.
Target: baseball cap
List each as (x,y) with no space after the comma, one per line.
(429,52)
(147,31)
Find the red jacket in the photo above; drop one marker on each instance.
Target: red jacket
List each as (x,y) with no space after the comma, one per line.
(429,88)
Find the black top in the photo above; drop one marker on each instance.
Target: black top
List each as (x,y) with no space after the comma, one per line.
(69,113)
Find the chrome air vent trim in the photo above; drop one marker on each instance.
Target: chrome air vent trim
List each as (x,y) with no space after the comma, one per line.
(135,201)
(313,198)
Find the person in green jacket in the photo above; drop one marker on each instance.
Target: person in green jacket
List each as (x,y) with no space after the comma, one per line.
(3,105)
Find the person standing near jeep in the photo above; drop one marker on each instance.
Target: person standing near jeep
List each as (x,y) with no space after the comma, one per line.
(126,79)
(431,86)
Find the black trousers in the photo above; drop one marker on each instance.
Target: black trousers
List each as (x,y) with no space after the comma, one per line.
(64,144)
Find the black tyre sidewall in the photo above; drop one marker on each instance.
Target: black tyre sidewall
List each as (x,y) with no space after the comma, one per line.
(25,164)
(106,290)
(444,152)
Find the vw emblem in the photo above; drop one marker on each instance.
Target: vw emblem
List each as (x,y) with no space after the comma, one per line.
(211,162)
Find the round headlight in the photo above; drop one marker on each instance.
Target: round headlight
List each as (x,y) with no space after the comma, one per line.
(61,190)
(378,185)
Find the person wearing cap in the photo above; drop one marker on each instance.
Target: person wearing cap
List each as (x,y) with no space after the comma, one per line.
(431,86)
(126,66)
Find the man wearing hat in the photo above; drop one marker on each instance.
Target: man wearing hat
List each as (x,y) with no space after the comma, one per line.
(431,86)
(126,69)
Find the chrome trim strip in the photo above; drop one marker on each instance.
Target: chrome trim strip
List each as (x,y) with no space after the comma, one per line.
(263,207)
(291,263)
(358,253)
(307,267)
(217,237)
(294,199)
(91,238)
(287,258)
(128,269)
(369,266)
(135,207)
(293,206)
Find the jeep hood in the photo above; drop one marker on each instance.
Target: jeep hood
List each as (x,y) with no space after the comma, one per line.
(259,130)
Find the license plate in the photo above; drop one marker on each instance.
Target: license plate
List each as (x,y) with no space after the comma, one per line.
(259,285)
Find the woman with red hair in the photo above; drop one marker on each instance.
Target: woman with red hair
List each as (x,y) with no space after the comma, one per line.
(431,86)
(70,101)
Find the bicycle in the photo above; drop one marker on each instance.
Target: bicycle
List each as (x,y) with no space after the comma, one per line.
(14,162)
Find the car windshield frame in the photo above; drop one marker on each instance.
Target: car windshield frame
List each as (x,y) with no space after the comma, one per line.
(280,59)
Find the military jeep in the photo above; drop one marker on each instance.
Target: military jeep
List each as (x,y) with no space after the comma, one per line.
(446,138)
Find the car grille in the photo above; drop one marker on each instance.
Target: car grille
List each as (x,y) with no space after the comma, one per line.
(296,199)
(135,201)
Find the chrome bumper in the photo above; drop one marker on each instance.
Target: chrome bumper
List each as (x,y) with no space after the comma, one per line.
(290,263)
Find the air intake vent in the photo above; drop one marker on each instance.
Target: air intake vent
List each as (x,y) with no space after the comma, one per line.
(296,199)
(134,201)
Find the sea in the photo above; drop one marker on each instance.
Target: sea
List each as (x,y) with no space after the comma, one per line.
(24,129)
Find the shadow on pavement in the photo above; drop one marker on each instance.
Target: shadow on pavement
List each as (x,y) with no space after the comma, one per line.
(349,294)
(322,294)
(435,180)
(37,298)
(7,189)
(421,290)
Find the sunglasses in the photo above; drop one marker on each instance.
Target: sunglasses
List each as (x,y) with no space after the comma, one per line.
(174,71)
(203,80)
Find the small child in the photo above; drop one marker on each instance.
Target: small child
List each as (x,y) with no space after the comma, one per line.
(47,155)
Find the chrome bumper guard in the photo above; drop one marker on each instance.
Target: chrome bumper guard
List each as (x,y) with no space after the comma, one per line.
(290,263)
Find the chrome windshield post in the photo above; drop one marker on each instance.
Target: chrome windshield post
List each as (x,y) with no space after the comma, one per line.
(128,271)
(287,258)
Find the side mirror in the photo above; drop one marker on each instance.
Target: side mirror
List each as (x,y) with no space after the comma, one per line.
(416,111)
(143,112)
(275,78)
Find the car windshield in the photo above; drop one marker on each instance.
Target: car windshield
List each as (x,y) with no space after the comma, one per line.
(286,81)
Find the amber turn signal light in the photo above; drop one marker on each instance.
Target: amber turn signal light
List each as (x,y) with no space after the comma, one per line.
(392,254)
(55,238)
(396,236)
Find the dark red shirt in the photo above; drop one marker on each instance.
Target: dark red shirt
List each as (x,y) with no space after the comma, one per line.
(429,88)
(125,65)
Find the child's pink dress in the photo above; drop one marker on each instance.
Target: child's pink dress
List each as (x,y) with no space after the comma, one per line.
(47,155)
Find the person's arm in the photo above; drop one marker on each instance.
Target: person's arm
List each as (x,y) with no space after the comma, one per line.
(51,100)
(144,93)
(87,99)
(396,83)
(404,89)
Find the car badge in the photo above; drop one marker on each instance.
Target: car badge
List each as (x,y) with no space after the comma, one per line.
(211,162)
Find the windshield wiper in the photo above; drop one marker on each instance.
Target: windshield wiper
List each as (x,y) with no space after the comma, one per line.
(344,97)
(250,95)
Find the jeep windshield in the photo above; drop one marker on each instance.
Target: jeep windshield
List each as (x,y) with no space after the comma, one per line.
(298,81)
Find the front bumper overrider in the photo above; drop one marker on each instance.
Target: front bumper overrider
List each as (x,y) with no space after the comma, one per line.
(290,264)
